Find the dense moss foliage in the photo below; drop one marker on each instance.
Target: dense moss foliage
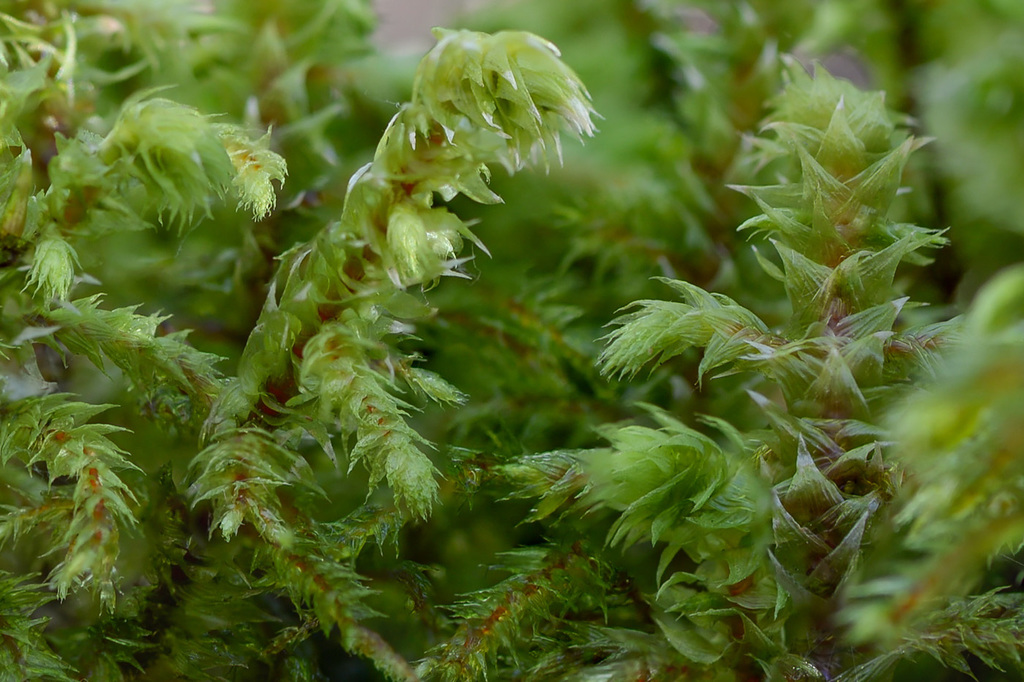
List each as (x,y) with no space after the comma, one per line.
(688,348)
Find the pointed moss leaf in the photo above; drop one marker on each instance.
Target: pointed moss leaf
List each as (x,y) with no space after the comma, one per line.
(876,186)
(805,279)
(809,494)
(736,506)
(875,668)
(866,357)
(833,228)
(474,184)
(787,531)
(742,563)
(792,430)
(692,294)
(768,196)
(783,223)
(761,645)
(841,151)
(793,667)
(842,561)
(695,644)
(821,185)
(779,215)
(920,347)
(792,366)
(667,555)
(836,389)
(678,578)
(866,277)
(405,305)
(770,268)
(877,318)
(671,424)
(434,387)
(793,135)
(864,462)
(722,349)
(733,435)
(790,587)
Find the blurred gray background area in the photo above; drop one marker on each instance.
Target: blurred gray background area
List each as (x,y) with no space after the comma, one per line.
(405,24)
